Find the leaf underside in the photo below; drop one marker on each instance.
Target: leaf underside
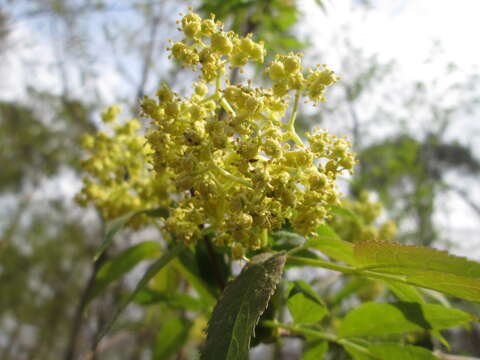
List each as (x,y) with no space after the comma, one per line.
(240,306)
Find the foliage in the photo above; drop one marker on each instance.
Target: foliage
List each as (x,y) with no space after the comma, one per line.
(271,21)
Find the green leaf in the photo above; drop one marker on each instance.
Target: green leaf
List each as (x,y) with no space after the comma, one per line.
(285,20)
(410,294)
(171,337)
(390,351)
(315,350)
(338,210)
(171,299)
(304,303)
(328,242)
(400,352)
(115,225)
(288,42)
(436,297)
(425,267)
(359,352)
(152,270)
(188,267)
(123,263)
(211,265)
(240,306)
(266,334)
(351,287)
(374,319)
(405,292)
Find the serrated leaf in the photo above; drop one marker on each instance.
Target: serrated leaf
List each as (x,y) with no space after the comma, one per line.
(115,225)
(152,270)
(240,306)
(123,263)
(400,352)
(314,350)
(425,267)
(304,303)
(171,337)
(375,319)
(387,254)
(328,242)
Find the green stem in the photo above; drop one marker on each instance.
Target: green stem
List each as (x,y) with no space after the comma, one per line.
(227,174)
(296,249)
(318,335)
(291,122)
(213,96)
(293,115)
(347,269)
(227,107)
(323,264)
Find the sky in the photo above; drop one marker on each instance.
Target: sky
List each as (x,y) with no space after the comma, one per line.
(403,29)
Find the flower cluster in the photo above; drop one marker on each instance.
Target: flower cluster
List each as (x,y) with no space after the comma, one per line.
(224,47)
(118,177)
(363,226)
(232,151)
(286,73)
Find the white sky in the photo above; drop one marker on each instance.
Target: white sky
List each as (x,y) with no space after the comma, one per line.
(404,29)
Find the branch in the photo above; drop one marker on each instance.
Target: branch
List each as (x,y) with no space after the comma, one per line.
(105,345)
(77,319)
(465,197)
(147,63)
